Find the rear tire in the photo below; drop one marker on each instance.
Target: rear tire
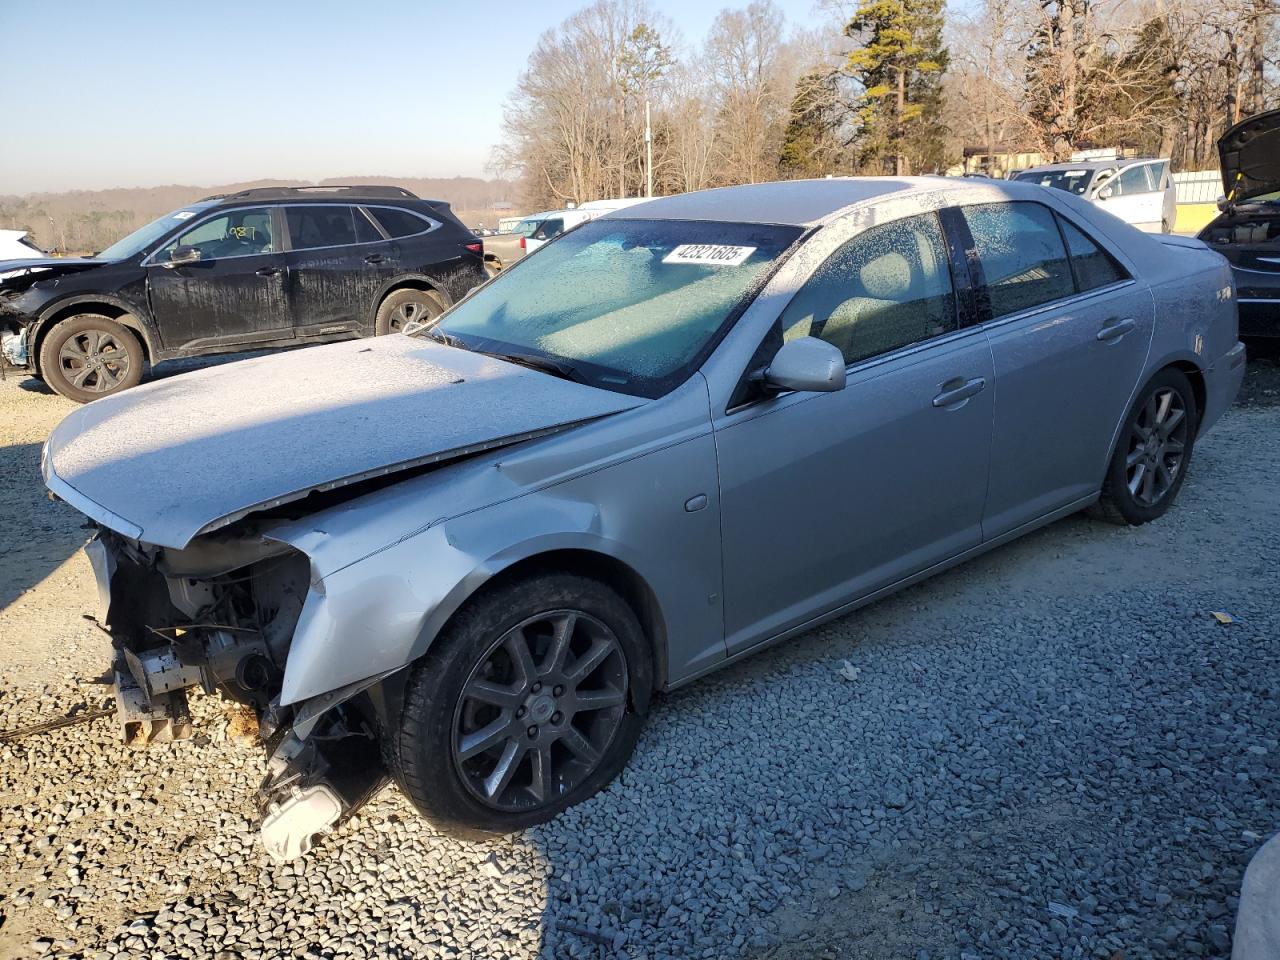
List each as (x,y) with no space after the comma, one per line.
(410,305)
(89,356)
(550,676)
(1153,452)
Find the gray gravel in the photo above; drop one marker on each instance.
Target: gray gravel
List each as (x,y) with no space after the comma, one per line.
(1053,751)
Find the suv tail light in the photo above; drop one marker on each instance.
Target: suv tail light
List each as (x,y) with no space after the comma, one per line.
(477,247)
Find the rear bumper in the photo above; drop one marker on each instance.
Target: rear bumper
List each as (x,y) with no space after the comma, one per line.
(1222,385)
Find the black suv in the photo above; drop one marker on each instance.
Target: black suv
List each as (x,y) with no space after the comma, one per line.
(270,267)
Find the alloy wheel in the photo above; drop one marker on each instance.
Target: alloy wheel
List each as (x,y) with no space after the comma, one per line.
(1157,447)
(539,711)
(408,312)
(94,361)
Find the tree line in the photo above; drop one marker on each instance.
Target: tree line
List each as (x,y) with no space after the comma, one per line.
(891,87)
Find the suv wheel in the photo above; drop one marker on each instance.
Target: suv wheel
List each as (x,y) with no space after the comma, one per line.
(88,356)
(531,701)
(403,307)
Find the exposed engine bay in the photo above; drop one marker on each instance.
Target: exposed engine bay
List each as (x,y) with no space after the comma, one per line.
(220,615)
(1244,229)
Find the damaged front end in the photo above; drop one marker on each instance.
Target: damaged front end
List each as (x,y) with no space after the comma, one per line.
(14,348)
(220,615)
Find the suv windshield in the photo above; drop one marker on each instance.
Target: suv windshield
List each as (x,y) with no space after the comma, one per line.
(626,305)
(143,237)
(1072,181)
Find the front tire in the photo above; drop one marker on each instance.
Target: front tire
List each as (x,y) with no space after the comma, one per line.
(529,702)
(402,307)
(1153,453)
(89,356)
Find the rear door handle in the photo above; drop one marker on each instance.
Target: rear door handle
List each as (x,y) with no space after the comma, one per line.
(374,258)
(950,396)
(1115,329)
(267,271)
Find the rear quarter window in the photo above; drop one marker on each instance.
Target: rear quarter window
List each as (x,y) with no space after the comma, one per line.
(400,223)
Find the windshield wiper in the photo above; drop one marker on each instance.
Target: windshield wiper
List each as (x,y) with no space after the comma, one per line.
(436,334)
(557,368)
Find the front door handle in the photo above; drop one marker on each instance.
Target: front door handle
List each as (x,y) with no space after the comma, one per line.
(267,271)
(1115,329)
(374,258)
(956,391)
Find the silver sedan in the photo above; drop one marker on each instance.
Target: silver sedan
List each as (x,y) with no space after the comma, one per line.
(466,557)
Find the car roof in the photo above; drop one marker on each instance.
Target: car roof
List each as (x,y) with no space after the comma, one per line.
(799,203)
(339,192)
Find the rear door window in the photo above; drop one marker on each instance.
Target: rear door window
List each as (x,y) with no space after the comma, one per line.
(400,223)
(1094,267)
(1020,254)
(366,232)
(327,225)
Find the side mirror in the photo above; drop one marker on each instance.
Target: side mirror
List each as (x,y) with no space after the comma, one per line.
(1105,193)
(182,255)
(807,365)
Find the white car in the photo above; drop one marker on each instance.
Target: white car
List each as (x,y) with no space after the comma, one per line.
(1139,192)
(557,222)
(16,245)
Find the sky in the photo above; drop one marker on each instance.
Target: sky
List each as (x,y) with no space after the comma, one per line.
(141,93)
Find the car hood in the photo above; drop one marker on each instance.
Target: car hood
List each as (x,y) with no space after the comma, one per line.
(1250,155)
(20,274)
(172,459)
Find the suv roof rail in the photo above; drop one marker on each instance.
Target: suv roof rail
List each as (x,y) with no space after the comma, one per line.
(340,190)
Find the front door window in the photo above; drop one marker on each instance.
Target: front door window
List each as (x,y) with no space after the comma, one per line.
(236,233)
(887,288)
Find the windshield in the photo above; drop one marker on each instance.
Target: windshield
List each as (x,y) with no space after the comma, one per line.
(626,305)
(143,237)
(525,228)
(1072,181)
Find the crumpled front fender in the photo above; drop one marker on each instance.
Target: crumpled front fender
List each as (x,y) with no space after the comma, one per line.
(382,613)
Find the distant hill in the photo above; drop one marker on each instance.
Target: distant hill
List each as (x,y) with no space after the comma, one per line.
(87,220)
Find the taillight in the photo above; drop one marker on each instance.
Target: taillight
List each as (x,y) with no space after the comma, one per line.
(475,247)
(522,241)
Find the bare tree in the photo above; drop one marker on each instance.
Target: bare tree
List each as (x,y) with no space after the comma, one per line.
(571,126)
(744,56)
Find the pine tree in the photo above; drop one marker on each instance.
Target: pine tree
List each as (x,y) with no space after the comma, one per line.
(811,145)
(900,66)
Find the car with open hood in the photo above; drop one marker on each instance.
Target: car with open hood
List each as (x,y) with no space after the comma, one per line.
(1138,191)
(1247,231)
(467,556)
(262,268)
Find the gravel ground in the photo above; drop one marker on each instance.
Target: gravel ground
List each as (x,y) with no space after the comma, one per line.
(1052,751)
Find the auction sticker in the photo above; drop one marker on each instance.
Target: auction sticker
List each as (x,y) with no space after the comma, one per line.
(184,215)
(709,254)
